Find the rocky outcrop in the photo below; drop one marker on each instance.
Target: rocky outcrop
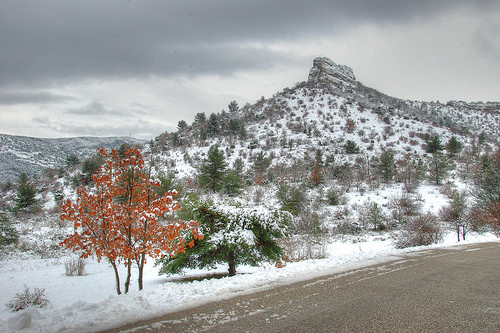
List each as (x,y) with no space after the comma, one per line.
(325,71)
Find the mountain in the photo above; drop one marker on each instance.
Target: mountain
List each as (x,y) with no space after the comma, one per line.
(20,154)
(325,113)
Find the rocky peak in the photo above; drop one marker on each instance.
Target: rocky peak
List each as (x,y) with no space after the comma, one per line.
(326,71)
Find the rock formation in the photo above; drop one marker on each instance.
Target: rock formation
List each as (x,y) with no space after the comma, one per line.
(325,71)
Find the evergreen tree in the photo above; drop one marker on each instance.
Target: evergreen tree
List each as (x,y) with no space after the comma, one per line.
(487,193)
(8,234)
(232,235)
(235,126)
(213,125)
(200,118)
(25,192)
(72,160)
(90,167)
(182,125)
(385,165)
(238,166)
(455,213)
(232,183)
(434,144)
(233,107)
(453,147)
(213,169)
(291,197)
(482,138)
(351,147)
(260,165)
(438,167)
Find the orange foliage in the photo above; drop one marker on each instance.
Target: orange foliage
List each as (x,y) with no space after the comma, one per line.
(123,218)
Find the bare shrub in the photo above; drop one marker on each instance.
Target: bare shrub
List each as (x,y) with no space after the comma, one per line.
(27,298)
(75,266)
(404,207)
(421,230)
(347,227)
(303,247)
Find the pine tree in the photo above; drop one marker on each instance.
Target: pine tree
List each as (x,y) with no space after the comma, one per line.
(438,167)
(213,125)
(213,170)
(434,144)
(351,147)
(260,165)
(453,147)
(385,165)
(233,107)
(25,192)
(182,125)
(455,213)
(232,235)
(487,193)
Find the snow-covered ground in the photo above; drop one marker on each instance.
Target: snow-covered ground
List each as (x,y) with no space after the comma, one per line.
(89,303)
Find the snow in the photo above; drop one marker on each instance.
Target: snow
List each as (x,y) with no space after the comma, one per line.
(89,303)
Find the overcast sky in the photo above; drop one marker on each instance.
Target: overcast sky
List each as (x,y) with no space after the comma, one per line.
(135,68)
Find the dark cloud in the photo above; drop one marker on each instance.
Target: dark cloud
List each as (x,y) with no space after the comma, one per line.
(59,40)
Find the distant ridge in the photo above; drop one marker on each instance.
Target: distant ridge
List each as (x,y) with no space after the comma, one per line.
(32,155)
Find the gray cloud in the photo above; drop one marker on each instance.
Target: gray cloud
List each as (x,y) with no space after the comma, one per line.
(139,128)
(97,108)
(61,40)
(113,67)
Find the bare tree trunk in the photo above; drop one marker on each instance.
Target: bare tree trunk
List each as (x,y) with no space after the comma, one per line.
(458,232)
(117,276)
(140,265)
(129,274)
(232,264)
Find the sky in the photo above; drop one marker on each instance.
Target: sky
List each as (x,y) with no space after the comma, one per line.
(135,68)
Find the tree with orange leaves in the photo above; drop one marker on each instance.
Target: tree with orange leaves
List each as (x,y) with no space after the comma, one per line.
(123,219)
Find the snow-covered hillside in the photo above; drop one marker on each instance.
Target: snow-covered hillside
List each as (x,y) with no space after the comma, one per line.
(324,114)
(355,215)
(32,156)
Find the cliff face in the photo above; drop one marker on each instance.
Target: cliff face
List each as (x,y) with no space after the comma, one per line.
(325,71)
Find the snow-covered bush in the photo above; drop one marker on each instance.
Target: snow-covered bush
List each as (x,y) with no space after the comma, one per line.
(421,230)
(75,266)
(233,235)
(28,298)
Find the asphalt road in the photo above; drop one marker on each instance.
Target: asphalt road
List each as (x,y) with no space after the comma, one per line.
(446,290)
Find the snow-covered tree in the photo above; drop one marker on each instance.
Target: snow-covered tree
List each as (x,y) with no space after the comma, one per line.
(232,235)
(120,219)
(213,169)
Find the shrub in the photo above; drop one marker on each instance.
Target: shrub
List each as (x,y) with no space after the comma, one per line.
(421,230)
(303,247)
(8,234)
(291,197)
(333,197)
(75,266)
(351,147)
(27,298)
(347,227)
